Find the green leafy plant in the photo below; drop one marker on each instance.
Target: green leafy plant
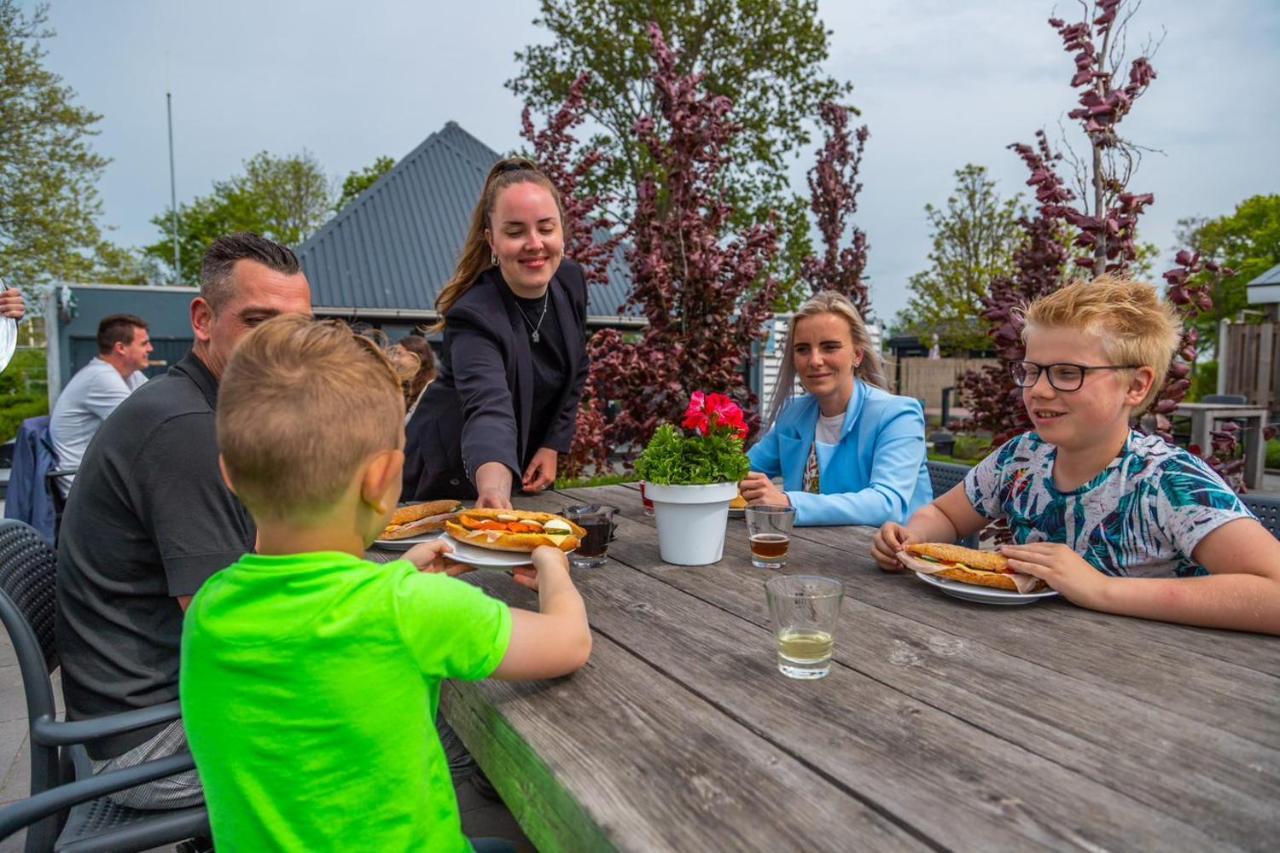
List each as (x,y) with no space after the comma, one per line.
(712,454)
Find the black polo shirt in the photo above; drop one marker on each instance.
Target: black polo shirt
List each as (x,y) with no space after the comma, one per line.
(148,519)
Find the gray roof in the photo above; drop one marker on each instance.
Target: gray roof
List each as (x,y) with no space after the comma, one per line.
(388,252)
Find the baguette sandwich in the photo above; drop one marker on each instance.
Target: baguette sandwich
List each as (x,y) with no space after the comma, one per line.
(420,518)
(514,530)
(966,565)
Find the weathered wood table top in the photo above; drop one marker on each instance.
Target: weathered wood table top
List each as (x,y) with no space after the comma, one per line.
(943,724)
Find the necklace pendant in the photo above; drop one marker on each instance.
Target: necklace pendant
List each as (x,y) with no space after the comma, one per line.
(534,336)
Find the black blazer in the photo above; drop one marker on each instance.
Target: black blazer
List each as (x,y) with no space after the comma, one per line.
(479,407)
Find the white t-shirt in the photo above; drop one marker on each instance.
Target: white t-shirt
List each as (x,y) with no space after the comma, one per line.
(83,405)
(826,437)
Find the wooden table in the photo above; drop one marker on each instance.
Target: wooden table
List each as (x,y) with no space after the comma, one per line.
(942,725)
(1205,415)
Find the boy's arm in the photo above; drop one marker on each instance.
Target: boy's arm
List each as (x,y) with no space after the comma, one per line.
(557,639)
(948,519)
(1241,594)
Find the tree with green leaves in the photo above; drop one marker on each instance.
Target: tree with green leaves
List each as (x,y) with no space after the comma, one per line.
(282,198)
(49,204)
(763,55)
(1247,241)
(974,240)
(359,181)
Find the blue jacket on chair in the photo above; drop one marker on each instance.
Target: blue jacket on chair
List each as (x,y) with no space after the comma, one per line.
(27,498)
(877,472)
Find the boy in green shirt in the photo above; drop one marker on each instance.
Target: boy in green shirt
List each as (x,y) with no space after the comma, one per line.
(310,676)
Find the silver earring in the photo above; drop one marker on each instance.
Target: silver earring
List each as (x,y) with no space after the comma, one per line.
(493,258)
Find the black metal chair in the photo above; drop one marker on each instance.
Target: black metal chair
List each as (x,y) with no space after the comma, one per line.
(944,476)
(68,809)
(1267,509)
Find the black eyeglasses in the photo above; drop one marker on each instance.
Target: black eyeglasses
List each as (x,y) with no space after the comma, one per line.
(1063,376)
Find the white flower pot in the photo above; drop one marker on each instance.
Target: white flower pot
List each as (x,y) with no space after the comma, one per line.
(691,521)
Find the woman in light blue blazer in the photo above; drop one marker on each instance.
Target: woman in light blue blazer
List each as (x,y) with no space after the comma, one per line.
(848,451)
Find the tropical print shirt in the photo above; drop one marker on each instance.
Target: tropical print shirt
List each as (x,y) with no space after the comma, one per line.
(1142,516)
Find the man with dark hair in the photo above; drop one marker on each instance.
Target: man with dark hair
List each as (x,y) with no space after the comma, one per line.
(150,519)
(124,349)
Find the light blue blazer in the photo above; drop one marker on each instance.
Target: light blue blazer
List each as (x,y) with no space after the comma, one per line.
(877,472)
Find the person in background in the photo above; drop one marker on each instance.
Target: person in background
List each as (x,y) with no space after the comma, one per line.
(1113,519)
(425,371)
(11,303)
(848,451)
(514,357)
(309,675)
(124,350)
(150,519)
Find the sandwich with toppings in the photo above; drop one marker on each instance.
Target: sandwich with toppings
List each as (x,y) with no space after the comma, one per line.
(514,530)
(967,565)
(417,519)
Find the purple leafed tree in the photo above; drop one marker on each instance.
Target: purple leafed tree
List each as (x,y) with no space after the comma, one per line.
(705,290)
(591,241)
(1092,228)
(834,188)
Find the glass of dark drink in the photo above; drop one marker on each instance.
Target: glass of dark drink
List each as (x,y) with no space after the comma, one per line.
(644,499)
(597,520)
(770,531)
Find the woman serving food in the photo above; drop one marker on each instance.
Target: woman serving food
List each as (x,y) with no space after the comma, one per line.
(505,402)
(848,451)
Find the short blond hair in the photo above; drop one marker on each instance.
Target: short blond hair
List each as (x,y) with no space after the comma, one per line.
(1135,324)
(302,404)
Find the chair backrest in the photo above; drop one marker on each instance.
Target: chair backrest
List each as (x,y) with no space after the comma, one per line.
(1225,399)
(1267,509)
(944,476)
(28,609)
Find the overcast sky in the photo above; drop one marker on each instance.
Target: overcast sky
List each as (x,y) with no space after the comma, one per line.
(941,83)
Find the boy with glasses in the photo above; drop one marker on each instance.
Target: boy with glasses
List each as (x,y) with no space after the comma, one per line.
(1113,519)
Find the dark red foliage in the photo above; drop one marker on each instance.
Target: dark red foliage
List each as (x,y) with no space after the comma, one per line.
(991,396)
(1104,234)
(834,188)
(705,291)
(590,239)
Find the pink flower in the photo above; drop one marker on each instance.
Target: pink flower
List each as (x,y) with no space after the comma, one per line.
(708,412)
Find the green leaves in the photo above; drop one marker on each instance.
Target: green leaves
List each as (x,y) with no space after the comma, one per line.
(49,203)
(673,459)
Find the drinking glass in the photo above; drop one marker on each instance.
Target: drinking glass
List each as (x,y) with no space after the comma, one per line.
(644,499)
(770,530)
(804,610)
(597,520)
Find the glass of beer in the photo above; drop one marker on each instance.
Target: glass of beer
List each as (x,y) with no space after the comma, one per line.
(770,530)
(804,610)
(597,520)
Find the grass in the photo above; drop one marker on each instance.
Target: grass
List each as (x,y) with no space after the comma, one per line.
(1273,453)
(23,391)
(589,482)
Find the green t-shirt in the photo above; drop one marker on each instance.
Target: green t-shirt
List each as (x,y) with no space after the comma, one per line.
(309,687)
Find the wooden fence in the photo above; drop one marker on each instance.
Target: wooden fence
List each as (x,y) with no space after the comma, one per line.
(924,378)
(1251,365)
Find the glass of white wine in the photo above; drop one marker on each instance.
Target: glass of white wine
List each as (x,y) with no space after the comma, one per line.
(804,609)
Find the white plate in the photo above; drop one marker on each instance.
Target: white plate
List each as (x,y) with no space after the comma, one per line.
(984,594)
(484,558)
(405,544)
(8,340)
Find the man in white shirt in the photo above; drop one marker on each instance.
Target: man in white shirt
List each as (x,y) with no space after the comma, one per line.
(124,349)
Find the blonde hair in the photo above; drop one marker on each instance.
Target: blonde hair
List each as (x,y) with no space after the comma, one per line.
(301,406)
(1134,324)
(476,256)
(870,370)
